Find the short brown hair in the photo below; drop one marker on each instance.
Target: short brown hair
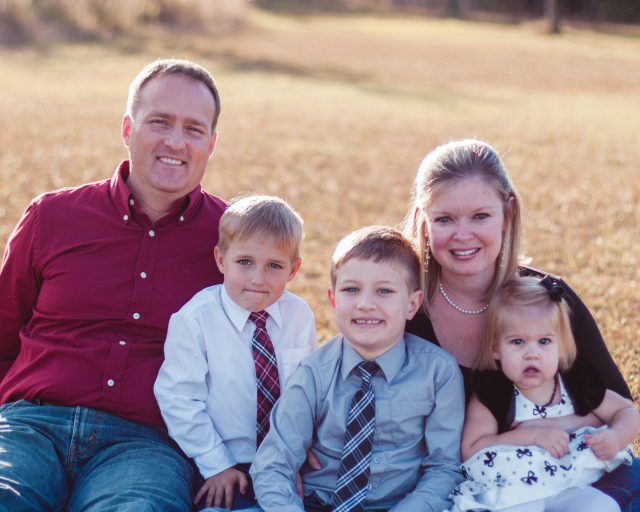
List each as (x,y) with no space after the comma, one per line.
(253,215)
(381,244)
(163,67)
(526,292)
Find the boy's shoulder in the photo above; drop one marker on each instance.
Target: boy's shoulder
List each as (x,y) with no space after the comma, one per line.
(289,299)
(324,358)
(205,298)
(428,355)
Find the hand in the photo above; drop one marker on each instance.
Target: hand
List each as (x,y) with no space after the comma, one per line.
(313,461)
(603,444)
(220,487)
(554,440)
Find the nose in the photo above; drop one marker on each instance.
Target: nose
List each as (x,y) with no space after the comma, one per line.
(257,276)
(463,231)
(531,352)
(366,302)
(174,138)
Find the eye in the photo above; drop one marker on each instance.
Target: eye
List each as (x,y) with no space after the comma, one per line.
(158,122)
(244,261)
(384,291)
(545,341)
(275,266)
(349,289)
(516,341)
(443,219)
(196,129)
(481,216)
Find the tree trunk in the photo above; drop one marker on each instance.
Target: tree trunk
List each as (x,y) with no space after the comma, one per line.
(552,12)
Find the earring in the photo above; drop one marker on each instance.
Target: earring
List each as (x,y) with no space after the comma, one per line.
(426,259)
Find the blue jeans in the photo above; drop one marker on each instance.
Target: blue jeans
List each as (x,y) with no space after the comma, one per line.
(623,485)
(76,458)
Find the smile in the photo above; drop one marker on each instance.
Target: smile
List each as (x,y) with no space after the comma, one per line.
(170,161)
(358,321)
(464,253)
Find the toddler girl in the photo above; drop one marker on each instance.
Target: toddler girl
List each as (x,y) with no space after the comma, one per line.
(518,456)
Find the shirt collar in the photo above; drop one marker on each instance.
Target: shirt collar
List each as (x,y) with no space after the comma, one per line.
(239,315)
(124,200)
(390,362)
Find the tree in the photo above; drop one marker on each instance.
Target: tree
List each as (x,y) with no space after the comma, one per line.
(552,12)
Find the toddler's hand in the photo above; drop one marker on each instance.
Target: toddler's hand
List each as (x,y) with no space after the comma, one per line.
(554,440)
(604,444)
(220,487)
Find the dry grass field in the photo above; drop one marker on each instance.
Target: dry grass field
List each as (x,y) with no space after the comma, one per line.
(334,113)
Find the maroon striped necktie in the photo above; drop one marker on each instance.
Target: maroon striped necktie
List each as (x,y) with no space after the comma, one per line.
(267,379)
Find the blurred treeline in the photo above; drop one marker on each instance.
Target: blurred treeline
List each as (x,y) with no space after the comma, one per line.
(600,11)
(43,21)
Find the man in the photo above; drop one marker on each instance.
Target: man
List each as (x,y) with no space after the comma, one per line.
(89,279)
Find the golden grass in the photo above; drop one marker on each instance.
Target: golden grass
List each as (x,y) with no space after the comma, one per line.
(335,113)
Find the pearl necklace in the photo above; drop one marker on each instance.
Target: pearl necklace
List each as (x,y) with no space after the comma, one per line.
(462,310)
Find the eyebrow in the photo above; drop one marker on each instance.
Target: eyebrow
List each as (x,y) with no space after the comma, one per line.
(189,120)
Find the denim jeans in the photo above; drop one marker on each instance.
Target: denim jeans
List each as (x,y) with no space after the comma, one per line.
(76,458)
(623,485)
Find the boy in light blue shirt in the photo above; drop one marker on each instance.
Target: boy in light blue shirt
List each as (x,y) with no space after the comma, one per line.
(231,349)
(380,409)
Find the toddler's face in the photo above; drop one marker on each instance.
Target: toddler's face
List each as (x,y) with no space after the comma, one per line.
(256,271)
(529,348)
(372,304)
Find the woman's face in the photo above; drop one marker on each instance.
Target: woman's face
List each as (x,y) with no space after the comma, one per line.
(465,223)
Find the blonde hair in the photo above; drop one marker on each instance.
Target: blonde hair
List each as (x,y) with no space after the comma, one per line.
(249,216)
(380,244)
(528,292)
(163,67)
(445,165)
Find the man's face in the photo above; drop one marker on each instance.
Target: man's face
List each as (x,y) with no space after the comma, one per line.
(170,138)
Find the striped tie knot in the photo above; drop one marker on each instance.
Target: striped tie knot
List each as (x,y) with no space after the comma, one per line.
(259,318)
(367,370)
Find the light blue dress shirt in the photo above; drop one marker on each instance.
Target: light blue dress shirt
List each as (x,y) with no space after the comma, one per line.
(419,397)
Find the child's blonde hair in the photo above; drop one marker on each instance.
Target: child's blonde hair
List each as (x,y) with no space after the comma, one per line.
(528,292)
(255,215)
(380,244)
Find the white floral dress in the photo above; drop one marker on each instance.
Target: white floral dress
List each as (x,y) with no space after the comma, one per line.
(503,476)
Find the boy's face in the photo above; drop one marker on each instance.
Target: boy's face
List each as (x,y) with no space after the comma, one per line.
(256,271)
(372,304)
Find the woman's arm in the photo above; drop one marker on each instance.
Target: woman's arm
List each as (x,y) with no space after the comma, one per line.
(481,431)
(624,424)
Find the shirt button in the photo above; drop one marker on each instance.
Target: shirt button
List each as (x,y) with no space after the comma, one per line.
(131,202)
(369,486)
(122,342)
(143,275)
(376,460)
(152,233)
(110,383)
(125,217)
(136,316)
(181,218)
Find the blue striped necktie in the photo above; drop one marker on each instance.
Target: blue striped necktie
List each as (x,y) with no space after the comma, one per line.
(353,475)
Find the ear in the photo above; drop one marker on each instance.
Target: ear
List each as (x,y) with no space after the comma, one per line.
(495,354)
(127,124)
(212,143)
(415,301)
(219,257)
(332,297)
(294,269)
(509,210)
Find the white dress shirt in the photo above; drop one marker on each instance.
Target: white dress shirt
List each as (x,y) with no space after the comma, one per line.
(206,387)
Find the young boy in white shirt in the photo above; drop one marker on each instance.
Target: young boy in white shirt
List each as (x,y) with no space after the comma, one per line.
(231,349)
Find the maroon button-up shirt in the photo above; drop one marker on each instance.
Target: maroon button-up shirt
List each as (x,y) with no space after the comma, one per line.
(87,286)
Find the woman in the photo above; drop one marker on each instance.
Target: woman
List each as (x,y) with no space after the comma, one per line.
(465,219)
